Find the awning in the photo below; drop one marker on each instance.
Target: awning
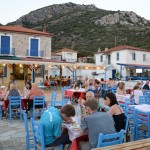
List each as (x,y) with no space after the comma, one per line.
(135,66)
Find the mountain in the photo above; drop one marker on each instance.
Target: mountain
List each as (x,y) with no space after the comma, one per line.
(86,28)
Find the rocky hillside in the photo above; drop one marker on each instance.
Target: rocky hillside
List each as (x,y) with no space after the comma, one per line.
(86,28)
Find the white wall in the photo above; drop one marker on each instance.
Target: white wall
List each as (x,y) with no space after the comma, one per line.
(69,56)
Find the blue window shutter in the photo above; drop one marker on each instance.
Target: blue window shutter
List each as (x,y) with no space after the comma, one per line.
(5,44)
(42,70)
(34,47)
(5,71)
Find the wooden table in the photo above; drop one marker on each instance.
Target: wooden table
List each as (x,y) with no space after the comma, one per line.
(135,145)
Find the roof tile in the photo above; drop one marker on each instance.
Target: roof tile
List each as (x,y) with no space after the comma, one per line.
(20,29)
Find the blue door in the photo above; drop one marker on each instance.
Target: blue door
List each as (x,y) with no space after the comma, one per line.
(5,44)
(113,74)
(34,47)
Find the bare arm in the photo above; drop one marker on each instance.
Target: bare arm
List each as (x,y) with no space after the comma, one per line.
(6,97)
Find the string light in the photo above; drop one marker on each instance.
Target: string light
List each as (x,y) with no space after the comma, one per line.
(20,65)
(4,64)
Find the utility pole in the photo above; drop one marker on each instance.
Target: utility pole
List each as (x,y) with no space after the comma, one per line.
(115,41)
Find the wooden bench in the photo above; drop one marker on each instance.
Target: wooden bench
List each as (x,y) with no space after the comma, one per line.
(135,145)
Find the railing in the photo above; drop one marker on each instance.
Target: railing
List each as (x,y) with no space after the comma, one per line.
(41,54)
(10,51)
(137,78)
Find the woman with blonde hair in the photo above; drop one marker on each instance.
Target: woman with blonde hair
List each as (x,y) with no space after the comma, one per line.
(13,91)
(121,88)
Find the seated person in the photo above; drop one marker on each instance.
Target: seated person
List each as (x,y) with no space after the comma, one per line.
(13,91)
(51,119)
(27,88)
(121,89)
(115,110)
(74,85)
(146,86)
(79,82)
(46,82)
(95,123)
(81,101)
(91,85)
(56,77)
(35,91)
(50,77)
(136,93)
(68,80)
(85,82)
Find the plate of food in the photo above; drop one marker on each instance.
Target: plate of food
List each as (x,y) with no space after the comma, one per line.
(75,126)
(70,122)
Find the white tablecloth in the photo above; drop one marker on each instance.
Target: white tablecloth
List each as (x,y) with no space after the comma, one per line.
(80,90)
(73,133)
(122,97)
(143,107)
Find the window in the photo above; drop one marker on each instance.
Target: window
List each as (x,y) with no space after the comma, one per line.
(144,57)
(5,44)
(133,56)
(101,58)
(34,46)
(117,56)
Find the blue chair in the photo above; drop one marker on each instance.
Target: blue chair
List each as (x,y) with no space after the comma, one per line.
(65,98)
(114,91)
(29,138)
(53,84)
(55,102)
(38,103)
(38,135)
(123,106)
(110,139)
(130,110)
(15,105)
(141,125)
(0,112)
(129,101)
(144,99)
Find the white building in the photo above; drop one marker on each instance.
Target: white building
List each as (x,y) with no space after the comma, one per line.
(67,55)
(125,60)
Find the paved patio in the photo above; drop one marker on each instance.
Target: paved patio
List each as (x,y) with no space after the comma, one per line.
(12,136)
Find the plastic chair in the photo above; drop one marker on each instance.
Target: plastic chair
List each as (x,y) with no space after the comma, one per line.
(141,124)
(38,101)
(65,98)
(123,106)
(55,102)
(0,112)
(15,105)
(110,139)
(129,101)
(130,109)
(53,83)
(114,91)
(38,135)
(29,139)
(144,99)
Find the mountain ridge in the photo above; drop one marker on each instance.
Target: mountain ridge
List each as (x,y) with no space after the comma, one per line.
(86,28)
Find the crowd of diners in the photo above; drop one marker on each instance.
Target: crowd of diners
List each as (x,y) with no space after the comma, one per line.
(94,119)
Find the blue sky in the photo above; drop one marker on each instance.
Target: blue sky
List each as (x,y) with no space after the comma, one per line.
(10,10)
